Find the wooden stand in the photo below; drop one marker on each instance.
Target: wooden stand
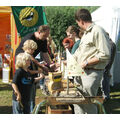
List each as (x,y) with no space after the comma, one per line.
(55,83)
(60,104)
(60,109)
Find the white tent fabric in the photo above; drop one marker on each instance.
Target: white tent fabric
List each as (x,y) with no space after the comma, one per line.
(108,17)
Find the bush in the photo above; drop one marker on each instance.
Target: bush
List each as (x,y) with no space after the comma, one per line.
(59,18)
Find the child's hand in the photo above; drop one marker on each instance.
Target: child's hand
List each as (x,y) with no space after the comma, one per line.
(40,70)
(18,95)
(43,62)
(39,78)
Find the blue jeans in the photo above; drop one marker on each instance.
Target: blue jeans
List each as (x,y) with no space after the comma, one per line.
(42,81)
(17,109)
(106,85)
(32,98)
(32,105)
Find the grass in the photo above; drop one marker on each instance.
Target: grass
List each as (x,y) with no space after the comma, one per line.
(112,106)
(6,97)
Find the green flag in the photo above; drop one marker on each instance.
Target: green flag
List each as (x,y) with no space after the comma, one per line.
(28,18)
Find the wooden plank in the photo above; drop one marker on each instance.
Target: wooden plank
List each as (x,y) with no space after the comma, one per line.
(72,100)
(52,110)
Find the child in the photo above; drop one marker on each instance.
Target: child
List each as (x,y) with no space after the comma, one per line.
(21,84)
(29,47)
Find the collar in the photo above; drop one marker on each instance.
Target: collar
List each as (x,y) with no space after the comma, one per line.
(89,27)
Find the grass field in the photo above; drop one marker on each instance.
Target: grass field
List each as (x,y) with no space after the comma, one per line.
(112,106)
(6,98)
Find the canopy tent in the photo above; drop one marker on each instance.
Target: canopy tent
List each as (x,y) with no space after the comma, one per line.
(8,32)
(108,17)
(4,28)
(5,9)
(5,31)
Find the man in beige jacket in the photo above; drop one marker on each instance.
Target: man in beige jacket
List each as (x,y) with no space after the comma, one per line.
(92,54)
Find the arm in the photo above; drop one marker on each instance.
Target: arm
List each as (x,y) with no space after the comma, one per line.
(41,76)
(34,71)
(36,62)
(17,93)
(92,61)
(102,45)
(40,65)
(47,58)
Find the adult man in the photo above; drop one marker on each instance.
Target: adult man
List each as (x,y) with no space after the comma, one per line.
(39,37)
(106,74)
(92,54)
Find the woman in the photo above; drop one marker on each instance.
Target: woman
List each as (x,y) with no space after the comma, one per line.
(73,39)
(74,34)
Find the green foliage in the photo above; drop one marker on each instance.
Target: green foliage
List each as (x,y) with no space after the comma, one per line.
(59,18)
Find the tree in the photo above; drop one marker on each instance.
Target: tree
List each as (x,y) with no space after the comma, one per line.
(59,18)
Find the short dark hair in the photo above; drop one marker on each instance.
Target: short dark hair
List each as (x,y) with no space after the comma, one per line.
(43,28)
(83,14)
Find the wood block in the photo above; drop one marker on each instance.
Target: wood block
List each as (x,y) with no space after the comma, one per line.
(59,109)
(55,76)
(54,83)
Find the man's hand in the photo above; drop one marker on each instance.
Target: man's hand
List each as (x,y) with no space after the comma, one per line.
(45,69)
(84,64)
(92,61)
(54,67)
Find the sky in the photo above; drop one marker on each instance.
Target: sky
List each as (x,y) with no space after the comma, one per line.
(59,2)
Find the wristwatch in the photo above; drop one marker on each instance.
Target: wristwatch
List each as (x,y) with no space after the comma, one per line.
(86,62)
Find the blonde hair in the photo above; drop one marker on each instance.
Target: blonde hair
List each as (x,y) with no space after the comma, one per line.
(21,60)
(29,44)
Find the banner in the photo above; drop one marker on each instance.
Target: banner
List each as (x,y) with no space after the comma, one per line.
(73,68)
(28,18)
